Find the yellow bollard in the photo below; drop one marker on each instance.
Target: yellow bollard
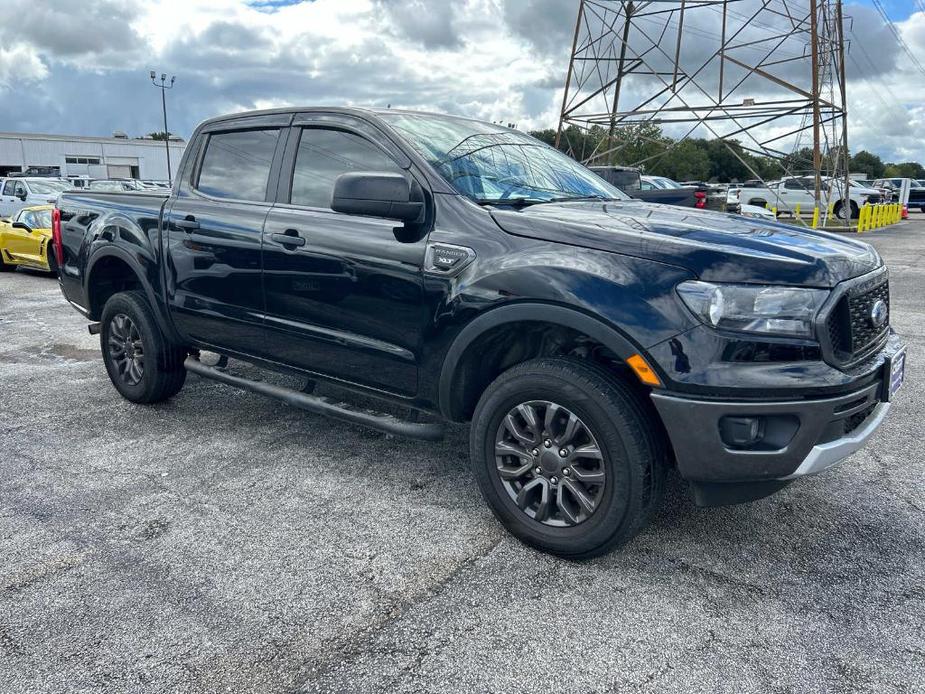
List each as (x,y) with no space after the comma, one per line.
(878,217)
(774,212)
(897,212)
(796,211)
(862,218)
(815,217)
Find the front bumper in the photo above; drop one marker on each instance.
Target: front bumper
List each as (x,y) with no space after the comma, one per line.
(799,435)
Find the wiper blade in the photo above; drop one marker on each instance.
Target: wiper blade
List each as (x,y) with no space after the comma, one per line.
(512,202)
(572,198)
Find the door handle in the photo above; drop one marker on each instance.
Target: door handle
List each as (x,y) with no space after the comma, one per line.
(188,224)
(290,238)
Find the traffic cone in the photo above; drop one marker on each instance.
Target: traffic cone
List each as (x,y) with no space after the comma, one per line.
(905,212)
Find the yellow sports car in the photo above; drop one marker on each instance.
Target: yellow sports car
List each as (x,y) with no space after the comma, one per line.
(26,240)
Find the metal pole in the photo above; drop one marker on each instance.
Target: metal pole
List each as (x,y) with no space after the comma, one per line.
(616,93)
(166,135)
(677,50)
(722,54)
(844,104)
(568,77)
(163,86)
(814,37)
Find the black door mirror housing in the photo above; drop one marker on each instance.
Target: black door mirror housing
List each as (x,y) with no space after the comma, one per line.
(375,194)
(21,225)
(22,196)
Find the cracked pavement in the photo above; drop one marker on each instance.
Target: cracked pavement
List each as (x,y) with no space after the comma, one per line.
(223,542)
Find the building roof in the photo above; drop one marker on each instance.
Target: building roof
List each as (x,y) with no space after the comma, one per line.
(90,138)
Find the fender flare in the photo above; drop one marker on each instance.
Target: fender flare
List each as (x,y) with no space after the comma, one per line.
(567,317)
(111,251)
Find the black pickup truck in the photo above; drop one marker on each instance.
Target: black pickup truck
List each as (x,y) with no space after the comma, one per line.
(470,273)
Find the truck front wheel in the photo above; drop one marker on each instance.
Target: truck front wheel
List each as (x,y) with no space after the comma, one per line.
(142,364)
(568,457)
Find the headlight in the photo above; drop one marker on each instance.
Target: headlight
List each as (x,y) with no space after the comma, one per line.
(749,308)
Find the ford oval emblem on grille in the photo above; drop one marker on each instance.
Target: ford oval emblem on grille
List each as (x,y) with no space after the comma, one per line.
(878,313)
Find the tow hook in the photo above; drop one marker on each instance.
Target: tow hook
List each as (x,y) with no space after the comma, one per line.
(94,328)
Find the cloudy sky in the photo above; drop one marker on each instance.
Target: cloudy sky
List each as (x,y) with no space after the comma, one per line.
(82,67)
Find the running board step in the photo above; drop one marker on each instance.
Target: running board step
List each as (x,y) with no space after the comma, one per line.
(428,431)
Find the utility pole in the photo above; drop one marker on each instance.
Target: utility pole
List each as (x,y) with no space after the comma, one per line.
(164,86)
(817,159)
(840,28)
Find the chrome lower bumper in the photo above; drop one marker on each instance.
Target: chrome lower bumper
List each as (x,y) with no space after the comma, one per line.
(825,455)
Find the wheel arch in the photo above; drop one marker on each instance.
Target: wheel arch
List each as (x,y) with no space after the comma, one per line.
(456,399)
(112,270)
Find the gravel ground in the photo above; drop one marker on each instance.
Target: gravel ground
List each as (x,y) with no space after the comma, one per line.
(224,542)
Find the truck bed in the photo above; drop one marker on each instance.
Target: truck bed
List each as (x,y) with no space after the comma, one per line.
(85,222)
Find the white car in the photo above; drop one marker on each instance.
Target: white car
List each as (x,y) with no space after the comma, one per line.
(789,192)
(756,212)
(17,193)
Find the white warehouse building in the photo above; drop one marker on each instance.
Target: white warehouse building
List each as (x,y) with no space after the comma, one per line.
(92,157)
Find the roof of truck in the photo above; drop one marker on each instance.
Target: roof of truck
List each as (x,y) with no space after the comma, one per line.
(347,110)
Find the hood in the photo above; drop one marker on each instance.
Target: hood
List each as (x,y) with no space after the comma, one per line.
(713,246)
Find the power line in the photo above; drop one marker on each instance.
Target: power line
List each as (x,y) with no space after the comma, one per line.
(899,38)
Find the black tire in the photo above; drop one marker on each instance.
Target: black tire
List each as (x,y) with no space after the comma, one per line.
(623,426)
(52,260)
(839,210)
(162,374)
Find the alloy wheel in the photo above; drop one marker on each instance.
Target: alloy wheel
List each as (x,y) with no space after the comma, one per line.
(126,349)
(550,463)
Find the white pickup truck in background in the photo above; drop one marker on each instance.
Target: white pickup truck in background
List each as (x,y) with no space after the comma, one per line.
(787,193)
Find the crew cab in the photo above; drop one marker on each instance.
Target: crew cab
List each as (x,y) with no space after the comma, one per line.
(786,194)
(466,272)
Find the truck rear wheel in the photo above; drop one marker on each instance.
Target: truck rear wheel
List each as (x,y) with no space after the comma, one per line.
(142,365)
(567,456)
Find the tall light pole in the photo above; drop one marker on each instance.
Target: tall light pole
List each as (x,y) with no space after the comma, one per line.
(164,86)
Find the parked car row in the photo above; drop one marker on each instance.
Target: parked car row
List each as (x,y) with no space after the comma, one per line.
(18,192)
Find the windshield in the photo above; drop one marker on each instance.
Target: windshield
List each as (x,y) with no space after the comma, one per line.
(42,219)
(47,187)
(666,183)
(493,164)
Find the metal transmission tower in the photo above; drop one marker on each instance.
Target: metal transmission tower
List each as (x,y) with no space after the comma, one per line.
(769,74)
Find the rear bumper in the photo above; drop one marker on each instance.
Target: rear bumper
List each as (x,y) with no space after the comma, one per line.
(740,450)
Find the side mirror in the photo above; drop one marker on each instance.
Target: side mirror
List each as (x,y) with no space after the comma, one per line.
(375,194)
(22,196)
(21,225)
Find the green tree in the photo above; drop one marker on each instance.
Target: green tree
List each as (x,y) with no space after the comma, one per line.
(909,169)
(160,135)
(687,161)
(867,163)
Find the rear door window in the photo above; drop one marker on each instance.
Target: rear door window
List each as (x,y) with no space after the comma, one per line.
(236,165)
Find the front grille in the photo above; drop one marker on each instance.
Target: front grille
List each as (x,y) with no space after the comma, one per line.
(852,332)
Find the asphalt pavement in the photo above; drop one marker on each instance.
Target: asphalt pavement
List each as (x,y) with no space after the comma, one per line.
(222,542)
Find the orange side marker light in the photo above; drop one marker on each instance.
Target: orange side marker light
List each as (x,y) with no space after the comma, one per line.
(643,371)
